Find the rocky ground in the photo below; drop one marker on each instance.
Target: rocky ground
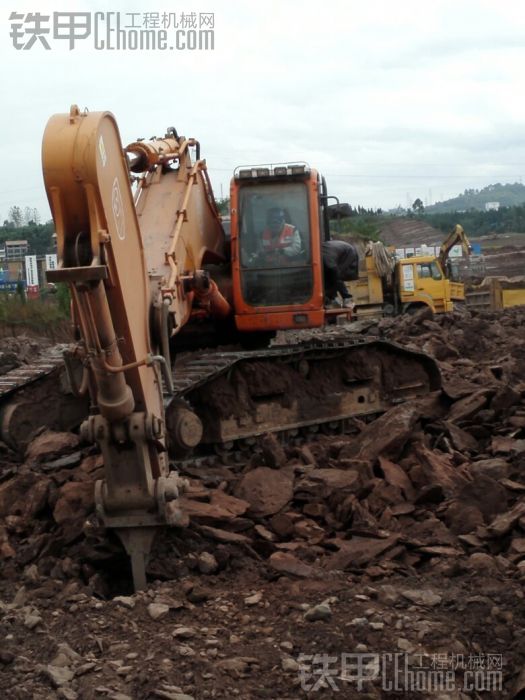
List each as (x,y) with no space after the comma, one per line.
(311,571)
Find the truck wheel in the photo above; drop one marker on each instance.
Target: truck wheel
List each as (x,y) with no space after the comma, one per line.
(414,308)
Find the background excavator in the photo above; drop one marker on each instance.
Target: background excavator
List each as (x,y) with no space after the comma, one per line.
(152,276)
(456,237)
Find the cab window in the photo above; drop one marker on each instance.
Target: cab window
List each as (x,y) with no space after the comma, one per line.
(273,272)
(429,271)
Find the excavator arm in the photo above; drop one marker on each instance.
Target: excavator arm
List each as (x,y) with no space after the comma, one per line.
(122,299)
(456,237)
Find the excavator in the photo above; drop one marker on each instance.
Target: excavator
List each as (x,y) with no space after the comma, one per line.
(171,316)
(456,237)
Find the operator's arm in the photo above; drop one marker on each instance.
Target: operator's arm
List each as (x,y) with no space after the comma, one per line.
(293,245)
(261,248)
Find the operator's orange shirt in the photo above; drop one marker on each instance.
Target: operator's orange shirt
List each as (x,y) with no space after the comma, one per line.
(285,238)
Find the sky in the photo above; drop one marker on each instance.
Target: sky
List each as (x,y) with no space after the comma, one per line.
(389,100)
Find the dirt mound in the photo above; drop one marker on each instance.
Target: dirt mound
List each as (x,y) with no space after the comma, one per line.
(16,352)
(407,536)
(505,262)
(400,232)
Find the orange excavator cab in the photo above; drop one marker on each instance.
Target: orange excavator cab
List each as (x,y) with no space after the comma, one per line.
(277,274)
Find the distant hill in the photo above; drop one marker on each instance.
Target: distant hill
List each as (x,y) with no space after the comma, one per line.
(508,195)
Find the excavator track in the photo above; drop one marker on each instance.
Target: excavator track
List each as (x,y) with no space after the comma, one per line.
(241,395)
(16,379)
(35,395)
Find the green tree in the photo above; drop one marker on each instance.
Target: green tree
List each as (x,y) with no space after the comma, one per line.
(418,206)
(224,206)
(39,236)
(15,214)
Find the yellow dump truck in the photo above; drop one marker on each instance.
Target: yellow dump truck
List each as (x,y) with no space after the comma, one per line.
(404,286)
(390,286)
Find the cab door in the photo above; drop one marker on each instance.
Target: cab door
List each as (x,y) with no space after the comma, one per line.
(422,282)
(431,286)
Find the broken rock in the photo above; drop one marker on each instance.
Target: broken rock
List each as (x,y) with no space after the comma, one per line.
(236,506)
(503,445)
(207,563)
(6,551)
(76,500)
(318,612)
(386,435)
(286,563)
(495,468)
(308,530)
(66,656)
(470,405)
(480,561)
(24,495)
(253,599)
(59,675)
(359,551)
(158,610)
(203,512)
(282,524)
(335,479)
(505,398)
(290,665)
(396,476)
(32,620)
(506,521)
(51,444)
(236,666)
(486,495)
(125,600)
(462,441)
(462,518)
(273,452)
(422,597)
(224,535)
(266,490)
(439,469)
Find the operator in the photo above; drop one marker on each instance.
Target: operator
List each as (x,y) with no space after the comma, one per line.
(278,236)
(340,264)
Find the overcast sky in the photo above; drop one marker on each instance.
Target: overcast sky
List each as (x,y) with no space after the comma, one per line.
(390,100)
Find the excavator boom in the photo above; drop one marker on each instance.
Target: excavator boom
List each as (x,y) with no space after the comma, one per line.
(100,256)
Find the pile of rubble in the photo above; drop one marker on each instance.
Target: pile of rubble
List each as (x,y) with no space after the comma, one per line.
(16,352)
(434,483)
(432,488)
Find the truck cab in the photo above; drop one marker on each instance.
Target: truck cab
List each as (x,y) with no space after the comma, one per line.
(421,280)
